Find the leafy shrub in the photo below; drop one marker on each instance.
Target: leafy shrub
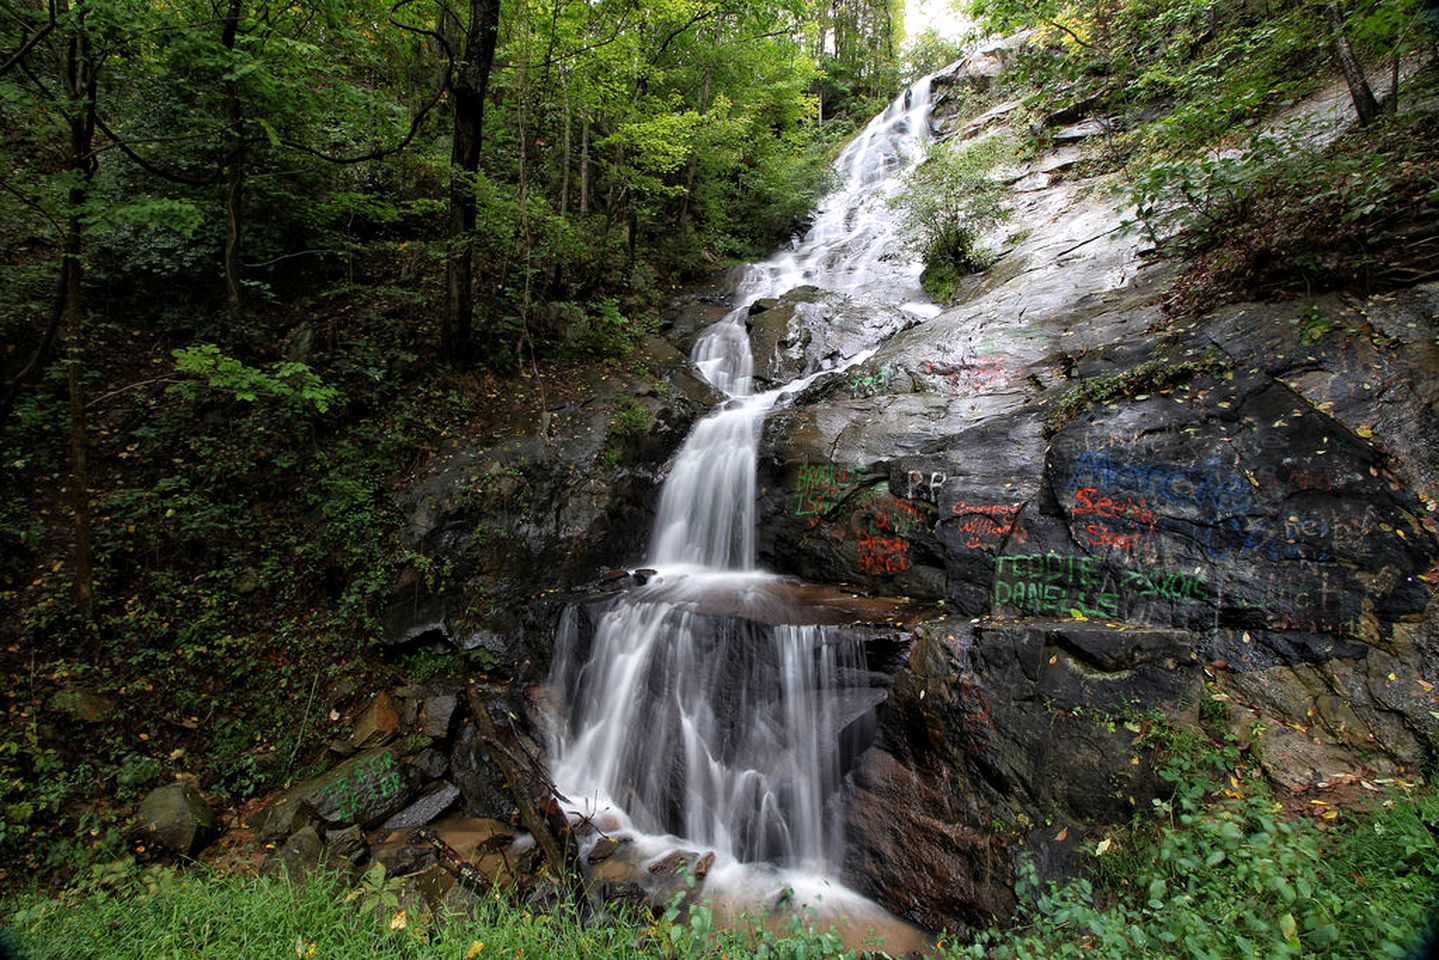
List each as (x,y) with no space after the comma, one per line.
(1224,871)
(946,205)
(286,381)
(1280,216)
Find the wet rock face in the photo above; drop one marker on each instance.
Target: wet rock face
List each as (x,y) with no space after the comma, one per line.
(516,516)
(808,329)
(1238,509)
(750,682)
(1260,531)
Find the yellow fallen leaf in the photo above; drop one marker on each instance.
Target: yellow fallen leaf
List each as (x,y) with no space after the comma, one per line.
(1102,847)
(1364,432)
(399,921)
(474,950)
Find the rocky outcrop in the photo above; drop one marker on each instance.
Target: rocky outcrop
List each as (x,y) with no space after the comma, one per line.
(1101,526)
(504,521)
(423,765)
(1130,528)
(1230,517)
(809,329)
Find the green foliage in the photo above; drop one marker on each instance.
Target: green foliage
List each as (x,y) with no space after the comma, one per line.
(690,932)
(1281,215)
(1186,76)
(632,420)
(1225,872)
(603,332)
(285,381)
(947,204)
(631,424)
(927,52)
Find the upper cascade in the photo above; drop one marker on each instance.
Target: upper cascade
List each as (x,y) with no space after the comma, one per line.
(853,246)
(706,514)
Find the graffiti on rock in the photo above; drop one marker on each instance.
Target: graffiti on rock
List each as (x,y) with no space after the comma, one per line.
(918,487)
(1212,488)
(880,554)
(985,524)
(873,383)
(1121,522)
(377,778)
(1307,597)
(967,375)
(1294,536)
(1051,583)
(887,515)
(819,487)
(882,523)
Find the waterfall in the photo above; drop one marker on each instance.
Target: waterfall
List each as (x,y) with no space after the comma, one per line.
(727,730)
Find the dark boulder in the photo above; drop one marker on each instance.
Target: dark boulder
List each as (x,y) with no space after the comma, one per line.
(177,819)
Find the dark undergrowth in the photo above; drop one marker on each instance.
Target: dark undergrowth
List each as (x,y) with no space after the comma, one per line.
(1278,219)
(245,531)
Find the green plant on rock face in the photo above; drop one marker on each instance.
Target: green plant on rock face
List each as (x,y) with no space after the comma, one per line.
(1152,375)
(603,331)
(631,423)
(376,893)
(1313,325)
(947,204)
(632,420)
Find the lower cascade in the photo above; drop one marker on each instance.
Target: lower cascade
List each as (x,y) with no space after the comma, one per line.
(705,708)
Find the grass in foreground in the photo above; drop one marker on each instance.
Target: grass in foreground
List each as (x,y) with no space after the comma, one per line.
(217,917)
(1215,874)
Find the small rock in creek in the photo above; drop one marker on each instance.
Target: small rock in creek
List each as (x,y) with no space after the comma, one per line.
(378,724)
(606,848)
(670,864)
(425,809)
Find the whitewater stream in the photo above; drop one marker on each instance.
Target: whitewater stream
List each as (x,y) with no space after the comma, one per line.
(727,734)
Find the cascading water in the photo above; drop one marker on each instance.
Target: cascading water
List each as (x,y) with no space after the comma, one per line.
(729,730)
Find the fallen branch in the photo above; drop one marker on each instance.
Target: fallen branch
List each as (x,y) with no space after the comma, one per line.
(534,815)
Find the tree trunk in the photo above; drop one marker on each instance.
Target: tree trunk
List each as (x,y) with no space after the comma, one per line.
(80,91)
(585,166)
(234,173)
(79,437)
(1365,106)
(565,157)
(467,87)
